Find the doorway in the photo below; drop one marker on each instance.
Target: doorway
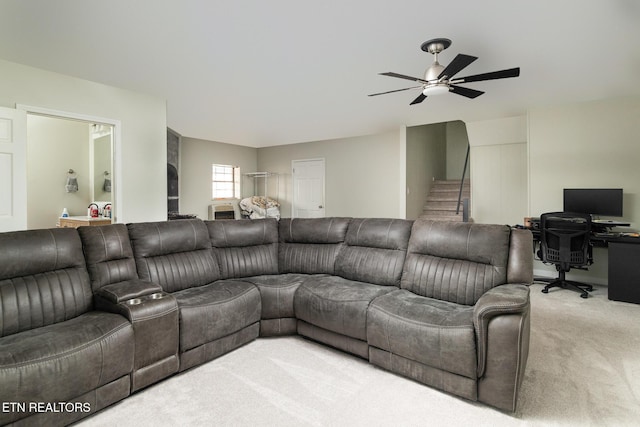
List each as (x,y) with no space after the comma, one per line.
(94,155)
(308,188)
(69,167)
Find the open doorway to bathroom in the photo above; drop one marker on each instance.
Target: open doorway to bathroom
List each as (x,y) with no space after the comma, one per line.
(69,168)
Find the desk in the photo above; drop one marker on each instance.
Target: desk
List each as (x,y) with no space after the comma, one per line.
(624,264)
(624,269)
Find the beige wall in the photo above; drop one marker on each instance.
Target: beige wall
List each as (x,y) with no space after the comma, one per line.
(498,170)
(361,173)
(457,142)
(593,144)
(589,145)
(196,158)
(55,146)
(141,153)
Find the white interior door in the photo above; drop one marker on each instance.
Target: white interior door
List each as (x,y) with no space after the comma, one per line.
(308,188)
(13,169)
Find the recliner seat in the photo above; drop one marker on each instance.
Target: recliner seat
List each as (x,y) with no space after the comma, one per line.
(216,315)
(53,346)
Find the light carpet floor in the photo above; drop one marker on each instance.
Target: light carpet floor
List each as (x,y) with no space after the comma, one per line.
(583,370)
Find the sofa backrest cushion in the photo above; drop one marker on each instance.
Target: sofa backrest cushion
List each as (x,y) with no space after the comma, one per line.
(174,254)
(245,248)
(374,250)
(43,279)
(310,245)
(108,253)
(456,262)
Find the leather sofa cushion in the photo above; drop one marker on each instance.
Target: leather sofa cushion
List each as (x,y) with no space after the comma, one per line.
(75,357)
(174,254)
(310,245)
(151,239)
(43,279)
(245,248)
(225,234)
(436,333)
(25,253)
(374,251)
(313,230)
(337,304)
(277,293)
(216,310)
(456,262)
(108,254)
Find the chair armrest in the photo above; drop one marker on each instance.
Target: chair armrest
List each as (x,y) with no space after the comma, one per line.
(501,300)
(118,292)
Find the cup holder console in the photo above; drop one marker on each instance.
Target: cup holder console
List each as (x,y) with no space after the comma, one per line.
(154,296)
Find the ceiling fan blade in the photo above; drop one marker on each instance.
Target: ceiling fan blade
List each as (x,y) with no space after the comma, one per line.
(502,74)
(465,91)
(419,99)
(391,91)
(459,62)
(402,76)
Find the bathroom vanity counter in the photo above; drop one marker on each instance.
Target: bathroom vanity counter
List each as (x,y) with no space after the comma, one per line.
(79,221)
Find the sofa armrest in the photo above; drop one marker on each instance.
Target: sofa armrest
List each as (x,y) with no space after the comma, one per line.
(155,320)
(129,289)
(520,265)
(501,300)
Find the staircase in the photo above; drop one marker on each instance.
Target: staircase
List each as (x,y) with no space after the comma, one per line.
(442,199)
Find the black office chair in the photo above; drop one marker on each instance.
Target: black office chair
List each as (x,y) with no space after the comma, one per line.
(564,241)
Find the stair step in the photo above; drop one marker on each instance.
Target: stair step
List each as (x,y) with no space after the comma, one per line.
(452,218)
(440,211)
(448,193)
(451,182)
(444,197)
(448,205)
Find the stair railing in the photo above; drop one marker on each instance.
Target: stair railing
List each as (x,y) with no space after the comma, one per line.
(465,212)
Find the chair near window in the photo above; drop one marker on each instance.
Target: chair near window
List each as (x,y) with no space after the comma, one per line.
(564,241)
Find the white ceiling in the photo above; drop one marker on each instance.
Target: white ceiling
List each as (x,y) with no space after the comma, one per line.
(261,73)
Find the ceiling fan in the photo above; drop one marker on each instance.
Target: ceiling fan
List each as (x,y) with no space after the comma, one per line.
(439,79)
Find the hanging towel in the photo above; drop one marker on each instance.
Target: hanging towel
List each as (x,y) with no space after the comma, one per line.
(107,185)
(72,183)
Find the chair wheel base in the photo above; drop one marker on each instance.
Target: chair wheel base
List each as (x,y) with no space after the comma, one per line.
(561,282)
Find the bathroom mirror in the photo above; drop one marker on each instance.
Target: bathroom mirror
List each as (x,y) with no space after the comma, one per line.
(101,163)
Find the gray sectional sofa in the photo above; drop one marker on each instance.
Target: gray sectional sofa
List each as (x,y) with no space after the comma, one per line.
(89,316)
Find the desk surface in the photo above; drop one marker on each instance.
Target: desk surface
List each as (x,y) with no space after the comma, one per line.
(615,238)
(600,239)
(611,223)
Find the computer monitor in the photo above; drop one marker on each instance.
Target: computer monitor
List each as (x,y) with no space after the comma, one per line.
(594,201)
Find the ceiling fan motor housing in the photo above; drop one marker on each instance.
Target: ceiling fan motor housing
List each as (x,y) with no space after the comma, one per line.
(433,72)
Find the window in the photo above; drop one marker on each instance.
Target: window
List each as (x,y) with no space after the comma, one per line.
(225,182)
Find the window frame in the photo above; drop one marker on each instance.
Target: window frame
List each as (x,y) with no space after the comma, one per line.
(234,181)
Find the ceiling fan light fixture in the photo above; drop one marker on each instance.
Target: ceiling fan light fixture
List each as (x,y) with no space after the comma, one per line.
(436,89)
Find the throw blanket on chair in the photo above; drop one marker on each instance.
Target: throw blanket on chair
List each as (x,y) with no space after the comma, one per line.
(260,207)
